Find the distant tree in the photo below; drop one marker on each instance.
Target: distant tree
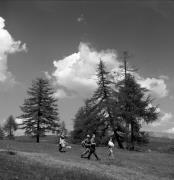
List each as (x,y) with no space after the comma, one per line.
(40,109)
(10,126)
(135,107)
(1,133)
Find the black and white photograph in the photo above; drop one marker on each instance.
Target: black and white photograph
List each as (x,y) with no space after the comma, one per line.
(86,90)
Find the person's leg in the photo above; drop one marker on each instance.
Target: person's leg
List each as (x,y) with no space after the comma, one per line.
(85,152)
(96,155)
(112,155)
(110,152)
(60,147)
(90,153)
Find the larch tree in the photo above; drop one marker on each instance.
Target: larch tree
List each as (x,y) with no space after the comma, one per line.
(103,99)
(99,116)
(40,109)
(10,126)
(135,107)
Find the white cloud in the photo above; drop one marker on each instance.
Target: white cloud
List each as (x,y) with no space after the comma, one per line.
(164,119)
(157,86)
(76,73)
(7,46)
(171,130)
(19,120)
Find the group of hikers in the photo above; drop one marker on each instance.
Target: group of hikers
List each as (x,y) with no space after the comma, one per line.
(89,144)
(90,147)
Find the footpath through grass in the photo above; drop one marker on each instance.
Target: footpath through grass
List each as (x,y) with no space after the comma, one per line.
(43,162)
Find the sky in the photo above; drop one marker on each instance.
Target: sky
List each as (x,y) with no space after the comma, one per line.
(64,41)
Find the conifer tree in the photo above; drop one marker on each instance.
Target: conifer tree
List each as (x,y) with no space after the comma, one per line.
(97,113)
(135,107)
(103,99)
(10,126)
(40,109)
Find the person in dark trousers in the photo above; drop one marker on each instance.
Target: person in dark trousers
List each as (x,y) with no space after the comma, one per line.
(93,148)
(86,143)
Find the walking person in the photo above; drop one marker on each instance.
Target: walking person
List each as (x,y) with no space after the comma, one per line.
(86,143)
(62,144)
(93,148)
(111,146)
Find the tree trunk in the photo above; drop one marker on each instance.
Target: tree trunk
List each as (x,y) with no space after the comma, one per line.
(132,136)
(127,136)
(118,140)
(38,128)
(37,138)
(10,133)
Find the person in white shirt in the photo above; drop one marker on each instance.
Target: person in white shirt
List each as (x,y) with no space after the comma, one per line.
(62,144)
(111,146)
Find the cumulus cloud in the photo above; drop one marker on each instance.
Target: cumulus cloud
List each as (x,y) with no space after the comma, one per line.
(164,120)
(7,46)
(19,120)
(157,86)
(166,117)
(76,73)
(171,130)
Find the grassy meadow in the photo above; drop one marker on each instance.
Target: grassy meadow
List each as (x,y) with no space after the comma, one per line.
(22,159)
